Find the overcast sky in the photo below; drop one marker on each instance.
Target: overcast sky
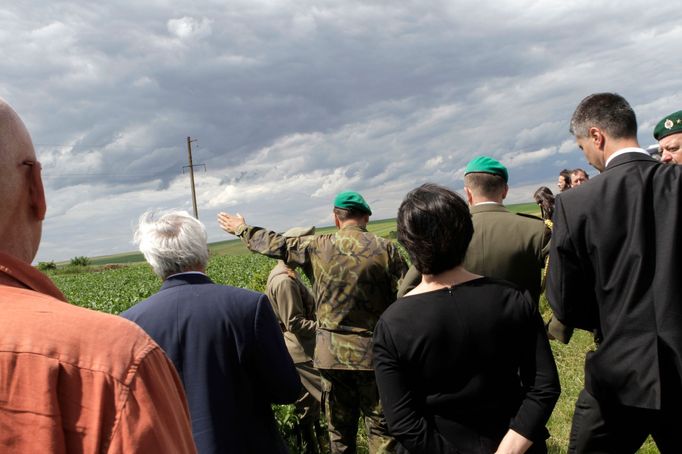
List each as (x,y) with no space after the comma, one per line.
(293,101)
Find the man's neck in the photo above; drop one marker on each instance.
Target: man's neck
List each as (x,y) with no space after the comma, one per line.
(479,200)
(352,223)
(614,145)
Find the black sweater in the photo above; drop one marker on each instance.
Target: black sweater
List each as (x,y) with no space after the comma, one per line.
(470,361)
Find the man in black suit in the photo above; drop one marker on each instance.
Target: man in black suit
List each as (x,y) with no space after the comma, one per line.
(615,258)
(225,342)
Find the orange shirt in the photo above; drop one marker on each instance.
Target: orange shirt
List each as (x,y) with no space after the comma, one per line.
(74,380)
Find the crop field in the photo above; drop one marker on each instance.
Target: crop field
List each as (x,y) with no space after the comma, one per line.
(113,289)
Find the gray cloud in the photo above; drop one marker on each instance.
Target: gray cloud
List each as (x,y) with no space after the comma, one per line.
(293,101)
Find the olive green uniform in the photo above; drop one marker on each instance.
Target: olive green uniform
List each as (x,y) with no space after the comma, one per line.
(356,275)
(505,246)
(294,306)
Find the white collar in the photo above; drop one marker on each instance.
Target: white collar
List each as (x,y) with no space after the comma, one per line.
(187,272)
(623,151)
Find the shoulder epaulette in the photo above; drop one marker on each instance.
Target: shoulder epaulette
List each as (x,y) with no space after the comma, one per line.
(532,216)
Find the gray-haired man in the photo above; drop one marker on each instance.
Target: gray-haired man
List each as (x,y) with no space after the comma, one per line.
(224,341)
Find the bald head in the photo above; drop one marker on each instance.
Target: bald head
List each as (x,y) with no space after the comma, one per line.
(22,201)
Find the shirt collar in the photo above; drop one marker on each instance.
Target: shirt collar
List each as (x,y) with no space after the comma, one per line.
(488,203)
(187,272)
(28,277)
(623,151)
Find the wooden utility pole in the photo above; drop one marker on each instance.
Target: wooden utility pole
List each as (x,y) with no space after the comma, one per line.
(191,175)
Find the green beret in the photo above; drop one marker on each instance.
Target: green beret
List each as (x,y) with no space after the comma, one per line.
(351,200)
(671,124)
(484,164)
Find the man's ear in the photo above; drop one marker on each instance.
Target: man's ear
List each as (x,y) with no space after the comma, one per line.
(470,196)
(506,190)
(37,193)
(597,138)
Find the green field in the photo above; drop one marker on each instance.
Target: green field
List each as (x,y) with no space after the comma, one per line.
(113,289)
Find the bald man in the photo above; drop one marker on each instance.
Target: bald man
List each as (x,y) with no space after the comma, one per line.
(71,379)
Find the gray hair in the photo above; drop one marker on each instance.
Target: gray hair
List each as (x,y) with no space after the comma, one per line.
(609,112)
(173,243)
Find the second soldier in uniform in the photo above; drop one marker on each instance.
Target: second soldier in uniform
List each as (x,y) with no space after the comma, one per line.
(355,279)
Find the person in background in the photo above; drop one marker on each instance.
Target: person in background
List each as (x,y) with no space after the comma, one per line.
(294,306)
(578,177)
(505,245)
(544,197)
(564,181)
(356,275)
(462,361)
(545,200)
(614,268)
(224,341)
(668,132)
(71,379)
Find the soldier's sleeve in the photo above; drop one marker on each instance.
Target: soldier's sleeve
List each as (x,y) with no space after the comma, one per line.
(411,280)
(272,244)
(290,308)
(570,288)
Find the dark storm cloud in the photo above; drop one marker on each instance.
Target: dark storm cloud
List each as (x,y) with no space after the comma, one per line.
(293,101)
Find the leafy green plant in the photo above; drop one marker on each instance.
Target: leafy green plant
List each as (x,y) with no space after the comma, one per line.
(80,261)
(47,266)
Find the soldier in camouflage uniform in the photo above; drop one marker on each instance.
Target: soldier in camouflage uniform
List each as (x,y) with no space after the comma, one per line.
(356,275)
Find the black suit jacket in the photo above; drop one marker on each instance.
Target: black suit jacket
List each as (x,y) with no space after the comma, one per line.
(228,348)
(616,266)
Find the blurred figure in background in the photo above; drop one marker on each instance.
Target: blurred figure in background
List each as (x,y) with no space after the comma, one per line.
(578,177)
(544,197)
(225,342)
(564,181)
(462,361)
(668,132)
(294,306)
(545,200)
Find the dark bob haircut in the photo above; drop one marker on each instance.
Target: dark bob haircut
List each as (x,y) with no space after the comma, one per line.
(434,225)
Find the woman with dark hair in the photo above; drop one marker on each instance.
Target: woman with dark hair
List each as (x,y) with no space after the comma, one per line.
(462,362)
(545,199)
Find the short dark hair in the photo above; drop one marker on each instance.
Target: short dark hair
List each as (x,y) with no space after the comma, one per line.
(579,170)
(485,184)
(609,112)
(344,214)
(545,198)
(434,225)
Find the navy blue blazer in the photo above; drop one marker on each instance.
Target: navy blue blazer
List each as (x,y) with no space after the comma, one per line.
(229,351)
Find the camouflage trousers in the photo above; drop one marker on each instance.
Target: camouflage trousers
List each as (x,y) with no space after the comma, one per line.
(346,395)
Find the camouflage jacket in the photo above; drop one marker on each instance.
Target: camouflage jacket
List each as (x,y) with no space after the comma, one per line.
(356,277)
